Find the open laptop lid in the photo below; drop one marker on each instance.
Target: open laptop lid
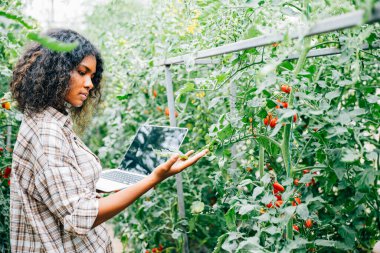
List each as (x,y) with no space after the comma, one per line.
(152,146)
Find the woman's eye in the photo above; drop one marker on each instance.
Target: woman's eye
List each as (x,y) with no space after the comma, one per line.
(81,73)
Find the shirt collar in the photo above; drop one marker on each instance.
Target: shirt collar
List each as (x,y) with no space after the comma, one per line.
(64,120)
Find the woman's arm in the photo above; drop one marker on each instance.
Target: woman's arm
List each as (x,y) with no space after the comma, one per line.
(113,204)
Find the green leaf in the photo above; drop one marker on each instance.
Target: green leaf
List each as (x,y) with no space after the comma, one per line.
(332,94)
(343,118)
(285,66)
(350,155)
(271,104)
(219,243)
(306,178)
(262,113)
(366,179)
(230,218)
(255,102)
(257,191)
(263,218)
(187,88)
(302,211)
(252,32)
(340,171)
(270,147)
(371,98)
(220,78)
(266,179)
(325,243)
(15,18)
(176,234)
(246,209)
(226,132)
(52,43)
(124,97)
(348,235)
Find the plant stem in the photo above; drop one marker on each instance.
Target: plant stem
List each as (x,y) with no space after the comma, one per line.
(285,145)
(261,161)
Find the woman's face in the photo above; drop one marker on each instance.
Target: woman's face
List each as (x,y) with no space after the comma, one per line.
(80,82)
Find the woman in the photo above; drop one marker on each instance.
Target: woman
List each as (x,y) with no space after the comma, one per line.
(54,204)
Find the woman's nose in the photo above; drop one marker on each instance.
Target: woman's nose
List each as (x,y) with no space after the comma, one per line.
(88,83)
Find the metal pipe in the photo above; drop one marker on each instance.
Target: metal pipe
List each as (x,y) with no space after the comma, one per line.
(330,24)
(178,177)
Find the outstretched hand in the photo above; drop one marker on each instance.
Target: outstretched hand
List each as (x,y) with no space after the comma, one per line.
(177,163)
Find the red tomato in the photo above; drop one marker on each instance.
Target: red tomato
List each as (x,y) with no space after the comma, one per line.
(286,88)
(278,203)
(296,201)
(285,104)
(266,121)
(308,223)
(167,112)
(7,172)
(270,205)
(278,197)
(273,122)
(6,105)
(294,117)
(296,228)
(296,182)
(278,187)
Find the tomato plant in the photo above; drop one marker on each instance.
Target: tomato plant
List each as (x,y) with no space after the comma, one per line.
(313,120)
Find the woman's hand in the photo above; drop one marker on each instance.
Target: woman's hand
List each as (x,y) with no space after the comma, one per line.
(176,164)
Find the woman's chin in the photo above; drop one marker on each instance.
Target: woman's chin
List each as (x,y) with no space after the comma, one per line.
(77,105)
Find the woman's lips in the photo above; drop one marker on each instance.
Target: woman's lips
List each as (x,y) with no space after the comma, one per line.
(83,96)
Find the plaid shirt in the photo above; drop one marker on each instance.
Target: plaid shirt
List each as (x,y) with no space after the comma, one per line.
(53,198)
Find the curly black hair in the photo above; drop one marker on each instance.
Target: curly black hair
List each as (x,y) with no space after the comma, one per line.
(41,76)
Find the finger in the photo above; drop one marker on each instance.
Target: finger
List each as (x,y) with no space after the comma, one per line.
(169,162)
(186,156)
(194,159)
(189,153)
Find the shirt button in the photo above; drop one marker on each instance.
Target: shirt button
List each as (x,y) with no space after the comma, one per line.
(75,138)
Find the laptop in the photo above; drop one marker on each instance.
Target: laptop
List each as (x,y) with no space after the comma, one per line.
(151,146)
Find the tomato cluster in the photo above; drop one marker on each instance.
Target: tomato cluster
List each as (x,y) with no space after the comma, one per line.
(277,189)
(270,120)
(160,248)
(6,105)
(6,174)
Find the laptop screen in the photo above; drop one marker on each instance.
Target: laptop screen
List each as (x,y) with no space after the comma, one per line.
(152,146)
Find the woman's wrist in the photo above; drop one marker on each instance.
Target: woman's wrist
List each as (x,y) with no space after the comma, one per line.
(155,178)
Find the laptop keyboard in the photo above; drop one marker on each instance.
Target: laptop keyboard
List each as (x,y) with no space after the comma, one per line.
(121,177)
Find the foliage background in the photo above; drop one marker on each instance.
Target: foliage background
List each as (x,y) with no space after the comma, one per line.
(336,135)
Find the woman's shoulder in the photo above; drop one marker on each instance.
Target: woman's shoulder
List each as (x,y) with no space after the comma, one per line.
(45,123)
(47,117)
